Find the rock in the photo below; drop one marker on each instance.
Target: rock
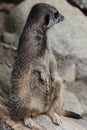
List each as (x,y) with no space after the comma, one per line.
(2,18)
(79,88)
(18,17)
(6,7)
(4,126)
(6,62)
(7,54)
(66,67)
(10,38)
(68,37)
(68,72)
(81,3)
(46,123)
(81,69)
(72,103)
(5,73)
(43,122)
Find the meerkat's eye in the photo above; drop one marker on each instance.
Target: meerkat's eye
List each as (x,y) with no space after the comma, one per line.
(47,19)
(56,14)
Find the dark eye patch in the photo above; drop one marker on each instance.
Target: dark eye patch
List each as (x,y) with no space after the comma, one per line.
(56,14)
(47,18)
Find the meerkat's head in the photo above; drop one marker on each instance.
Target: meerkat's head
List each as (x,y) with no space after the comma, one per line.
(44,15)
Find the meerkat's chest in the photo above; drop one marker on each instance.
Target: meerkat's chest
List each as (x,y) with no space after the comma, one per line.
(42,64)
(47,58)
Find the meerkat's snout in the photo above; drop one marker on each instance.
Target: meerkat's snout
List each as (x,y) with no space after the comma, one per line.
(53,18)
(60,18)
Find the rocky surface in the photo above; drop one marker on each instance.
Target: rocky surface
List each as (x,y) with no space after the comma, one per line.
(2,19)
(81,69)
(66,67)
(43,122)
(71,103)
(69,42)
(79,88)
(81,3)
(10,38)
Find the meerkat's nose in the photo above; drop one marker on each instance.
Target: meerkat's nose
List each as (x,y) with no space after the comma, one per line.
(60,18)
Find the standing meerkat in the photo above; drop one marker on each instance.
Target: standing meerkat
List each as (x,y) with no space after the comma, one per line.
(36,87)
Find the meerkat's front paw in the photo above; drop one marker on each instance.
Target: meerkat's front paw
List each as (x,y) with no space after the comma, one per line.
(29,122)
(56,118)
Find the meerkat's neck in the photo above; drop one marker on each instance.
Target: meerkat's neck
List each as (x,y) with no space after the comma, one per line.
(33,42)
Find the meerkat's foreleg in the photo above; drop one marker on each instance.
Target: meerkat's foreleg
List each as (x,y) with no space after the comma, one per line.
(57,105)
(29,122)
(55,117)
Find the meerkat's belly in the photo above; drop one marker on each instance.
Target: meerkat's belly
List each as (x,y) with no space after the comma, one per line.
(42,103)
(40,84)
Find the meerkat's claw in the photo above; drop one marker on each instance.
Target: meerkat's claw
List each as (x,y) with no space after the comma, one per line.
(56,118)
(29,122)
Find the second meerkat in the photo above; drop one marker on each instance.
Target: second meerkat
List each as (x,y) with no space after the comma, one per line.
(36,87)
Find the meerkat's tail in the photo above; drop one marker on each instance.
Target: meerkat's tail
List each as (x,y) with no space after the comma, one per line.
(71,114)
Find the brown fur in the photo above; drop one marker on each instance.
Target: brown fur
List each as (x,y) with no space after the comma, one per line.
(35,85)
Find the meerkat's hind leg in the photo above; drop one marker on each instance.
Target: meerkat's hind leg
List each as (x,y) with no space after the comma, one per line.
(29,122)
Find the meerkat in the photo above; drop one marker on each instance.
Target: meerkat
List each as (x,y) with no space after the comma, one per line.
(36,87)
